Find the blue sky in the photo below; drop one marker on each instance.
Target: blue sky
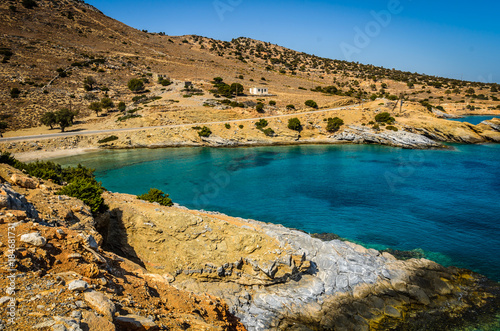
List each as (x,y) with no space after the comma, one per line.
(452,39)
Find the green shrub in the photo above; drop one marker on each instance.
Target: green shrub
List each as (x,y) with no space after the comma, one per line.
(241,125)
(259,107)
(384,117)
(135,85)
(107,139)
(86,189)
(294,124)
(49,119)
(29,4)
(376,127)
(204,132)
(260,124)
(14,93)
(272,103)
(155,195)
(122,106)
(128,116)
(312,104)
(228,126)
(107,103)
(269,132)
(290,107)
(334,124)
(390,127)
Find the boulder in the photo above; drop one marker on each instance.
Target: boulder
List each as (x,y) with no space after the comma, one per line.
(136,323)
(100,303)
(34,239)
(23,181)
(78,285)
(92,322)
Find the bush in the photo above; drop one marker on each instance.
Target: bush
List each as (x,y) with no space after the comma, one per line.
(155,195)
(88,83)
(135,85)
(334,124)
(259,107)
(107,103)
(312,104)
(107,139)
(122,106)
(29,4)
(272,103)
(228,126)
(390,127)
(260,124)
(384,117)
(204,132)
(269,132)
(241,125)
(294,124)
(14,93)
(95,106)
(290,107)
(49,119)
(86,189)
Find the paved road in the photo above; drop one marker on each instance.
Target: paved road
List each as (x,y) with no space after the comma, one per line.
(89,132)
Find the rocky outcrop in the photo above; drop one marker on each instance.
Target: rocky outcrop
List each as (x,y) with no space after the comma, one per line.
(494,123)
(11,200)
(364,135)
(441,114)
(276,278)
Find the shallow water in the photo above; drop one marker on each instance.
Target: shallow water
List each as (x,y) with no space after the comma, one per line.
(444,202)
(474,119)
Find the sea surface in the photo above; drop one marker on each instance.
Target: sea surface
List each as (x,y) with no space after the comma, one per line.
(474,119)
(443,203)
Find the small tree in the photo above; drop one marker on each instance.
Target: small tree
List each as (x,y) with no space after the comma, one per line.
(3,126)
(259,107)
(236,88)
(89,83)
(218,80)
(135,85)
(260,124)
(493,89)
(122,106)
(49,119)
(88,190)
(294,124)
(334,124)
(156,195)
(96,106)
(384,117)
(312,104)
(14,93)
(64,118)
(205,132)
(107,103)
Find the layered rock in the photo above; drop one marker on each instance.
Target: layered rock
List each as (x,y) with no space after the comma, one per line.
(282,279)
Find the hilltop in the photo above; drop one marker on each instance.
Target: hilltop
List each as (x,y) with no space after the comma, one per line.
(51,47)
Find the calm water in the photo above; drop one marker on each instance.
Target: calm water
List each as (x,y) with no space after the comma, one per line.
(443,202)
(476,119)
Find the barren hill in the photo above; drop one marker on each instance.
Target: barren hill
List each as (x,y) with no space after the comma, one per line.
(51,46)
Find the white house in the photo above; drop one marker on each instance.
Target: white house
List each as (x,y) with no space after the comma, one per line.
(259,91)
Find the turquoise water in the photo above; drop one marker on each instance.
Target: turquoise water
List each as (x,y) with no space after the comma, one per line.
(445,202)
(475,119)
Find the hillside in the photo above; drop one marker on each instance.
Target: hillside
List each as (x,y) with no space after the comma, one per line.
(50,48)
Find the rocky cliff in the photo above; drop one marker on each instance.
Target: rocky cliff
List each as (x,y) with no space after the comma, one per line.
(275,278)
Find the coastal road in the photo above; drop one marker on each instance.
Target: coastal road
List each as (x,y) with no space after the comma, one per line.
(90,132)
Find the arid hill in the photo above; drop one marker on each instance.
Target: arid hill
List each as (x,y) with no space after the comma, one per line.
(49,48)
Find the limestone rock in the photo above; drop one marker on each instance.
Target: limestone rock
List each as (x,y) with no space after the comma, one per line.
(10,199)
(23,181)
(78,285)
(92,322)
(136,323)
(34,239)
(100,303)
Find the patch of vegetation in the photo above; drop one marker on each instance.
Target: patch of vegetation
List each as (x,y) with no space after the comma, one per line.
(290,107)
(390,127)
(294,124)
(312,104)
(259,107)
(138,98)
(30,4)
(81,182)
(260,124)
(269,132)
(405,255)
(107,139)
(241,125)
(126,117)
(228,126)
(122,106)
(15,92)
(204,132)
(272,103)
(156,195)
(334,124)
(384,117)
(135,85)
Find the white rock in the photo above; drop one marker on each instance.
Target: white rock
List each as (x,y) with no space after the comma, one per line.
(34,239)
(78,285)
